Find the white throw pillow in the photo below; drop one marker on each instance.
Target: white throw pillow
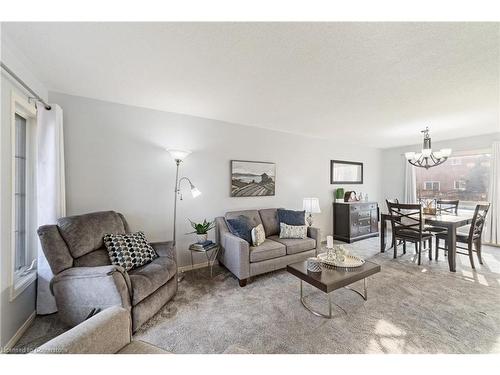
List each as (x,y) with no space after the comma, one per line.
(258,235)
(293,231)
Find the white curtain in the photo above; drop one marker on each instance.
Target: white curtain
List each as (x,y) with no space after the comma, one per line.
(492,229)
(51,200)
(410,183)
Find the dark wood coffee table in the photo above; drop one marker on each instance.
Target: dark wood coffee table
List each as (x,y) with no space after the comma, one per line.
(329,280)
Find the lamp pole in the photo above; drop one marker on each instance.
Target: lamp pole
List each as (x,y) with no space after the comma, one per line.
(178,156)
(176,191)
(180,276)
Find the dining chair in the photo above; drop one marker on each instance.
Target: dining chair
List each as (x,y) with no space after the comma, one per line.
(408,225)
(447,206)
(472,237)
(394,200)
(444,207)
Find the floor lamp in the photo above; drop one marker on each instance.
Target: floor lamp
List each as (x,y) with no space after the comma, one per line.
(179,156)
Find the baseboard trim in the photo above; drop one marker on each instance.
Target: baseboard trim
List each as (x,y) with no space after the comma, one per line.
(491,244)
(13,341)
(195,266)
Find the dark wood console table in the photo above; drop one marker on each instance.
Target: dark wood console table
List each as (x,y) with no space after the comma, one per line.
(354,221)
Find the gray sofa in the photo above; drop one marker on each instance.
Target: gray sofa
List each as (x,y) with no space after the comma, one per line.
(108,332)
(245,261)
(84,279)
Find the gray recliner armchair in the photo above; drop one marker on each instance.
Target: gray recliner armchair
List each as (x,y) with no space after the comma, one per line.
(85,281)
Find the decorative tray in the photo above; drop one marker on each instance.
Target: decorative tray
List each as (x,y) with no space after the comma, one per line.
(351,261)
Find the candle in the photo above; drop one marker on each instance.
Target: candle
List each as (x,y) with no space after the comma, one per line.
(329,242)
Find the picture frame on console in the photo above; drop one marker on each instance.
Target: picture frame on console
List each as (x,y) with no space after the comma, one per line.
(346,172)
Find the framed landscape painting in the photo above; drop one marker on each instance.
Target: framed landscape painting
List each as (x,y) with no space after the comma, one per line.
(252,178)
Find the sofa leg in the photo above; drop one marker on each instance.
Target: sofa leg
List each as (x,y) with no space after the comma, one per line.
(243,282)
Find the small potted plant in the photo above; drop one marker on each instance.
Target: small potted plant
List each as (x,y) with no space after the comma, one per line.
(201,229)
(339,195)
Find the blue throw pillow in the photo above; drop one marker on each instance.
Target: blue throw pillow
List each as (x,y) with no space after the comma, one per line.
(241,227)
(291,217)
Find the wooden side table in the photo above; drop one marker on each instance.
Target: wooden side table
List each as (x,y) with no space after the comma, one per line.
(210,257)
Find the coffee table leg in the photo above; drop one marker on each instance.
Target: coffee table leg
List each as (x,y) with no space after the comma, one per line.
(365,290)
(317,313)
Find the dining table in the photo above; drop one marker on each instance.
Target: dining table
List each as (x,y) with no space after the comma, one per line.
(449,221)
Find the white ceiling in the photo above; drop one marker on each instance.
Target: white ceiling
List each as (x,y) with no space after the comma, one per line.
(371,83)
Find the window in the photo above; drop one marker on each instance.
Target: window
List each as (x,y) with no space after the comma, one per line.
(23,235)
(20,194)
(432,185)
(459,185)
(465,176)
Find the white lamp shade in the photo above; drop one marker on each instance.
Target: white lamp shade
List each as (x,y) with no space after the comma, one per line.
(426,152)
(311,205)
(195,192)
(409,155)
(179,154)
(446,152)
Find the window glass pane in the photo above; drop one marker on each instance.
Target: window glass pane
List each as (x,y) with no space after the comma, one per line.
(20,176)
(20,193)
(20,250)
(20,203)
(465,178)
(20,136)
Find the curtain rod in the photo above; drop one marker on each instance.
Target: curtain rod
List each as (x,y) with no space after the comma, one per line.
(21,82)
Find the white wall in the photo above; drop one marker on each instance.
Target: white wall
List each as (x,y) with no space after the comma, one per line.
(12,313)
(116,159)
(393,161)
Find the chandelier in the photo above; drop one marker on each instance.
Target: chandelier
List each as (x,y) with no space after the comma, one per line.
(427,159)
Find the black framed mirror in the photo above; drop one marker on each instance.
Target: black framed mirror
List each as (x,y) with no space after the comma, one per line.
(346,172)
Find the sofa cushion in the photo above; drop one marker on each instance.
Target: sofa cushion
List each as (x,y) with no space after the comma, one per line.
(241,227)
(253,215)
(95,258)
(268,250)
(269,217)
(147,279)
(291,217)
(294,246)
(84,233)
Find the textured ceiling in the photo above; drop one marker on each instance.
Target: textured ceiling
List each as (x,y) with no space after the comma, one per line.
(377,84)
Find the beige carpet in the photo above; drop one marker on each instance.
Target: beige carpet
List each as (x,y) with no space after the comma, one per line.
(410,309)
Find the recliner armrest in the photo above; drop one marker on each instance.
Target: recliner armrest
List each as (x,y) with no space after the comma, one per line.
(90,272)
(81,290)
(107,332)
(165,249)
